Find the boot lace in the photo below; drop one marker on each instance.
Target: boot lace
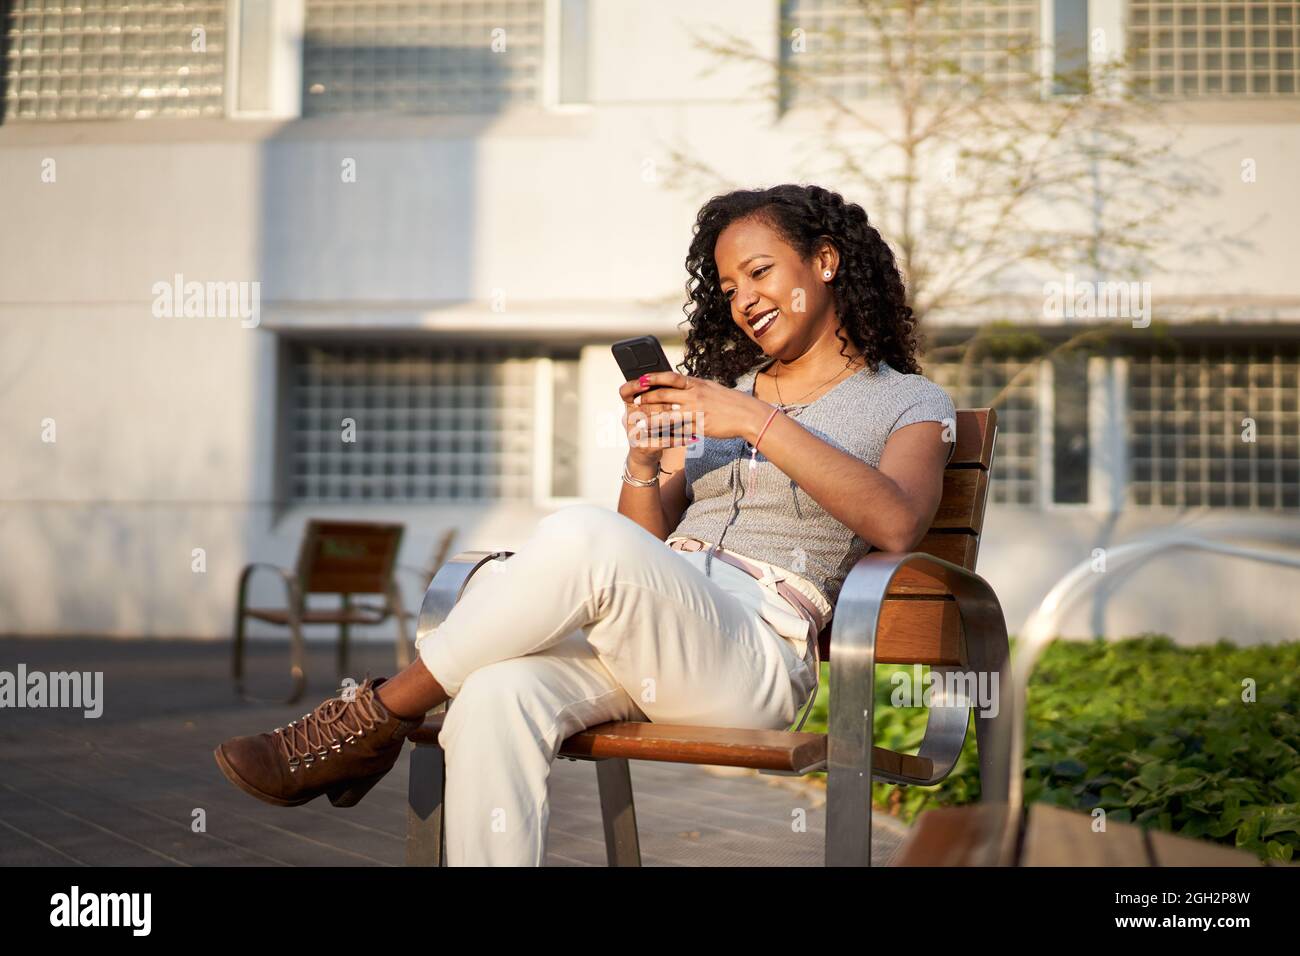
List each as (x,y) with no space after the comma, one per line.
(314,736)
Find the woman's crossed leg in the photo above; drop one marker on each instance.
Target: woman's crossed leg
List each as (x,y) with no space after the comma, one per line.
(593,619)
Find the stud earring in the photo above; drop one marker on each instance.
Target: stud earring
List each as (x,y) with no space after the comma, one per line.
(827,273)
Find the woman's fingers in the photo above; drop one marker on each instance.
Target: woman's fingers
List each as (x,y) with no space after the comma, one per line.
(650,381)
(673,427)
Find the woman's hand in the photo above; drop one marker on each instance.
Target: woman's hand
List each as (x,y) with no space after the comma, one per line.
(698,407)
(648,435)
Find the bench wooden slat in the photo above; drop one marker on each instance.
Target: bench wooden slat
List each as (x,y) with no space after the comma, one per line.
(787,750)
(1058,837)
(974,439)
(971,836)
(922,631)
(1169,849)
(955,836)
(915,631)
(958,549)
(353,615)
(962,507)
(348,557)
(350,582)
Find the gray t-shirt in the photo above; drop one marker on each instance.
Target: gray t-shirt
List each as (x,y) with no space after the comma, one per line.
(764,515)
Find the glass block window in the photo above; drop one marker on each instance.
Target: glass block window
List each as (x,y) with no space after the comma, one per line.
(566,425)
(849,52)
(987,383)
(429,56)
(1185,432)
(1215,49)
(432,422)
(96,59)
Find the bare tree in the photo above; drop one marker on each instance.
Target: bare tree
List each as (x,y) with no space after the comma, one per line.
(985,175)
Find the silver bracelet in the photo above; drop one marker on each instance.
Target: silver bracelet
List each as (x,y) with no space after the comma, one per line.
(641,482)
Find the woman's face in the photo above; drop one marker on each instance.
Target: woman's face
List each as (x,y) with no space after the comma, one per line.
(780,302)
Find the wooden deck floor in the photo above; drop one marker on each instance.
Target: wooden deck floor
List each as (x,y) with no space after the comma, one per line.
(122,789)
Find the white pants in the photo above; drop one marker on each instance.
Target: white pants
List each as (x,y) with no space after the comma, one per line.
(594,619)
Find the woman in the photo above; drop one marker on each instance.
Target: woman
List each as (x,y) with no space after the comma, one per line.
(828,442)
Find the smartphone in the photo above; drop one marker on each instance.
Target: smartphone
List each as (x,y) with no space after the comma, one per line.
(639,355)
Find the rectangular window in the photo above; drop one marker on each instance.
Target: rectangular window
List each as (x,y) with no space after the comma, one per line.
(574,22)
(423,56)
(1214,49)
(1215,425)
(429,423)
(97,59)
(852,50)
(1010,386)
(1070,429)
(1069,46)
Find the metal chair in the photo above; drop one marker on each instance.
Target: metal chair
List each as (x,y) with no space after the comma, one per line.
(336,557)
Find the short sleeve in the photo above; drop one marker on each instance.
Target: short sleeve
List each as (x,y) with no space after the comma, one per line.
(928,402)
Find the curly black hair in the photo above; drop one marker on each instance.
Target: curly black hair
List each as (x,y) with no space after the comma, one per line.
(869,298)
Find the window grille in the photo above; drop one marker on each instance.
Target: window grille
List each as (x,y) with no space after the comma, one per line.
(1215,49)
(95,59)
(433,423)
(845,56)
(1185,431)
(979,385)
(428,56)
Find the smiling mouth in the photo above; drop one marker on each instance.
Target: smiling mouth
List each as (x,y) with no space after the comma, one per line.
(763,322)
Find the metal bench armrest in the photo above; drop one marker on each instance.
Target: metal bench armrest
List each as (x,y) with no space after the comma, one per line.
(447,586)
(854,632)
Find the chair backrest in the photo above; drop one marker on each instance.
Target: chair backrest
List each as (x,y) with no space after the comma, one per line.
(954,534)
(348,557)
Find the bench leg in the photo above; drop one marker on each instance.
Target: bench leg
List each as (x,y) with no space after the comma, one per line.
(848,764)
(990,654)
(424,816)
(614,778)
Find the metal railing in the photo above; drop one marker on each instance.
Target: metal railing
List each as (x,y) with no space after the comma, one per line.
(1040,628)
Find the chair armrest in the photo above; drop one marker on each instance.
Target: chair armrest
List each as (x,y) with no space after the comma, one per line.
(293,610)
(447,586)
(294,606)
(855,627)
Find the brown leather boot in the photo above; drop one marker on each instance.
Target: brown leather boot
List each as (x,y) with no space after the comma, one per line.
(342,748)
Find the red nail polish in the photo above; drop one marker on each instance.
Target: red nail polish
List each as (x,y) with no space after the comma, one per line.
(643,380)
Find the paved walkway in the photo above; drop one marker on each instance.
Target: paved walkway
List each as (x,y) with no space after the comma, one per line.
(123,789)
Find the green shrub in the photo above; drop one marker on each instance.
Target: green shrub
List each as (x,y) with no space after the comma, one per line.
(1157,734)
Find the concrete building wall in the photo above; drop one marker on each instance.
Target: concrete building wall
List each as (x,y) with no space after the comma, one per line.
(554,226)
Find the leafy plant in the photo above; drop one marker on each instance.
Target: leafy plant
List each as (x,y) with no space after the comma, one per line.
(1157,734)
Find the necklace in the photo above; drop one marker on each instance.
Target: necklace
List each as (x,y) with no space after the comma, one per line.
(783,405)
(735,464)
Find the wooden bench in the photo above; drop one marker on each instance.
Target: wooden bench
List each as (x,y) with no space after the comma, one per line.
(335,557)
(995,834)
(926,607)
